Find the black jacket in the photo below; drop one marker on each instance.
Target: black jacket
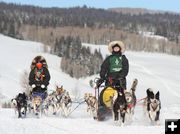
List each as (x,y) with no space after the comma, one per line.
(45,80)
(105,67)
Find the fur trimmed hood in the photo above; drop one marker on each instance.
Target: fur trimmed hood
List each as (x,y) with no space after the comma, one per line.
(38,59)
(120,43)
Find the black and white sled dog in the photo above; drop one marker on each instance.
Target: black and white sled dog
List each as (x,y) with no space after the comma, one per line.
(131,100)
(14,104)
(119,108)
(20,104)
(152,106)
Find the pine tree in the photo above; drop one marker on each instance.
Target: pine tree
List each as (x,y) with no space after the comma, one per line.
(12,32)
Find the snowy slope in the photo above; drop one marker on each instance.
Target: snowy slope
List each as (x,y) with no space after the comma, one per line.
(16,57)
(153,70)
(158,71)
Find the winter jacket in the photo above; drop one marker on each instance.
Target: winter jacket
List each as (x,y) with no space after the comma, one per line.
(44,81)
(120,73)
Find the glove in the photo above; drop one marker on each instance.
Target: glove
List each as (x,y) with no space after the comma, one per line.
(42,86)
(33,85)
(99,82)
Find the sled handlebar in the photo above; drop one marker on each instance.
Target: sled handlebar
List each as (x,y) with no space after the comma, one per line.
(99,81)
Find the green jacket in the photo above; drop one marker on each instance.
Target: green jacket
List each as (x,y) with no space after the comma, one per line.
(115,66)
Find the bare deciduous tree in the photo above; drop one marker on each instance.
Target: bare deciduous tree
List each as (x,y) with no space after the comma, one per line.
(24,81)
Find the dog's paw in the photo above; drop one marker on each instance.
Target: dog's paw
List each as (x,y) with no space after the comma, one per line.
(19,116)
(158,123)
(116,122)
(95,118)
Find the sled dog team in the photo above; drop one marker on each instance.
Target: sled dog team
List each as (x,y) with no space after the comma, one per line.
(123,105)
(113,72)
(58,102)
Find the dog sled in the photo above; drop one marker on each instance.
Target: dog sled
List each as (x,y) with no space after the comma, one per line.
(108,97)
(105,101)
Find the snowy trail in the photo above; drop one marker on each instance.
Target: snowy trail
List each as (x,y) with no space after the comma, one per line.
(47,125)
(156,75)
(161,80)
(80,122)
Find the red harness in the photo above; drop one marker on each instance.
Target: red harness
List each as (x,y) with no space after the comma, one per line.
(131,105)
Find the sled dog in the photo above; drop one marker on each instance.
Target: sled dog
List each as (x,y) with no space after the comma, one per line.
(131,100)
(36,103)
(65,104)
(60,101)
(152,105)
(20,104)
(119,108)
(92,104)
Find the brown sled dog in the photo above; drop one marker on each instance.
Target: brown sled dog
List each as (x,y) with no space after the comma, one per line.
(92,104)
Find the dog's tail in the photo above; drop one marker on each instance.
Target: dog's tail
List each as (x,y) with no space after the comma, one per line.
(134,85)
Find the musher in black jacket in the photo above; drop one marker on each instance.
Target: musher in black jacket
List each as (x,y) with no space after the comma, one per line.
(39,78)
(115,67)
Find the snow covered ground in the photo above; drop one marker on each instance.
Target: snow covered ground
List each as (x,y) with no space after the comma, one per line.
(158,71)
(152,35)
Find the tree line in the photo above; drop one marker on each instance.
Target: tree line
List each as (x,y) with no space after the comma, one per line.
(12,16)
(77,60)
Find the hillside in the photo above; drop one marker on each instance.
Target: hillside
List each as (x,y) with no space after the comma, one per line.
(158,71)
(16,57)
(137,11)
(152,70)
(95,26)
